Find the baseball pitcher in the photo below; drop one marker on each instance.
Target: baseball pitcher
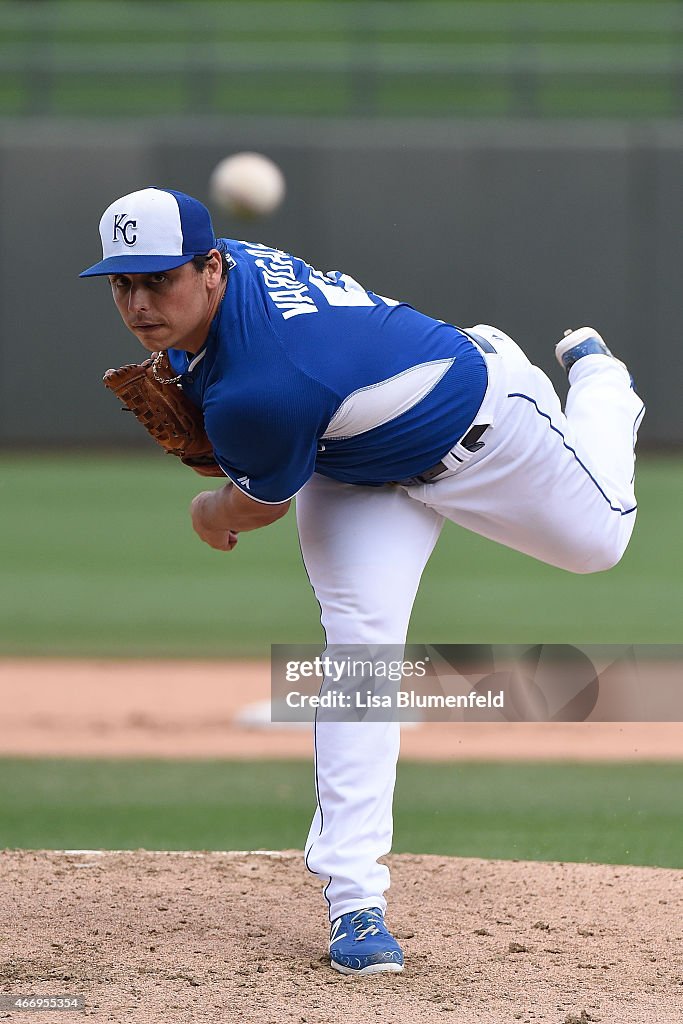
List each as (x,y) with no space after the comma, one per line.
(287,382)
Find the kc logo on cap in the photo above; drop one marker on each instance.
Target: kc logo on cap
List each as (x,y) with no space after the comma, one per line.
(152,230)
(123,226)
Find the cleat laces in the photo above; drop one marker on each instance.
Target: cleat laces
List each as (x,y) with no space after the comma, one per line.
(364,923)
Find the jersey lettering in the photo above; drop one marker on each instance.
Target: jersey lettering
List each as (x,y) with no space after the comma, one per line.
(340,289)
(288,294)
(292,296)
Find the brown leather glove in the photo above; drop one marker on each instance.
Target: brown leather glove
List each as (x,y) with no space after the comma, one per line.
(152,393)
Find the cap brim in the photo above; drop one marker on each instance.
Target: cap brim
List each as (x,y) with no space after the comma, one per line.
(137,264)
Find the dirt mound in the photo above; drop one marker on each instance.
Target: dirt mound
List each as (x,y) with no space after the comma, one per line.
(200,937)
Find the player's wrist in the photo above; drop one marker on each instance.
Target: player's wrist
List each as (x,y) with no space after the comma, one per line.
(209,510)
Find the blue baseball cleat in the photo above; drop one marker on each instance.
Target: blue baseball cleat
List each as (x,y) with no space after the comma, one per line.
(583,342)
(361,944)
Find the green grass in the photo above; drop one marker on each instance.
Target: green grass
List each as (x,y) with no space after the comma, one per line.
(97,558)
(616,813)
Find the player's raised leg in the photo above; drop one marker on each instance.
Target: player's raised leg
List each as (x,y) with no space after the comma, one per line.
(557,487)
(364,549)
(603,412)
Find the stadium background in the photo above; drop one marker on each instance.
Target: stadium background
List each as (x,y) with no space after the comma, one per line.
(513,163)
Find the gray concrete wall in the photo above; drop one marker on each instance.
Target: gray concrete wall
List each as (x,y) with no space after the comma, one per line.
(528,226)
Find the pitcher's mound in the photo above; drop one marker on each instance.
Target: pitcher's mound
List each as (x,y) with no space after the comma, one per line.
(178,937)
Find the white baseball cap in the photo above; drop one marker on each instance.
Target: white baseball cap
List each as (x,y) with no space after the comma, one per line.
(152,230)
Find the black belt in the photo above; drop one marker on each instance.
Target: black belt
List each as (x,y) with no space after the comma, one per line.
(470,441)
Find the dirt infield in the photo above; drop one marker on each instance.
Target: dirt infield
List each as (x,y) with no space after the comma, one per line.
(193,709)
(241,937)
(171,938)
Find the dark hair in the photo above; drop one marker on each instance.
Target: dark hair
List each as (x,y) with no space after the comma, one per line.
(199,263)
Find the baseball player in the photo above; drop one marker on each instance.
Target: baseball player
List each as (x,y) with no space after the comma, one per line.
(384,423)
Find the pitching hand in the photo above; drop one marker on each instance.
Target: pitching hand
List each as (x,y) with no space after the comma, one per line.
(207,513)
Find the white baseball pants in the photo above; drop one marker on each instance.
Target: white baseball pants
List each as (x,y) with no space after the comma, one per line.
(555,486)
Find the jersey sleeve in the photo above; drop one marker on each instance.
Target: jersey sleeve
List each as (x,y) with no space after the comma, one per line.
(267,443)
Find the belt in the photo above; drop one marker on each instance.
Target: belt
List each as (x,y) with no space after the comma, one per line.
(470,441)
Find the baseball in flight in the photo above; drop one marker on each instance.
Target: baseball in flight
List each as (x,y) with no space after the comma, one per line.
(247,185)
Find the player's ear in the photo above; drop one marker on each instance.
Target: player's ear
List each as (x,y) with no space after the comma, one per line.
(214,267)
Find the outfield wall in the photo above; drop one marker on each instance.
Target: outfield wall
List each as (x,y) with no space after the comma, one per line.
(530,226)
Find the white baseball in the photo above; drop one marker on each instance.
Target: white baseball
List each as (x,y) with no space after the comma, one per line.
(247,185)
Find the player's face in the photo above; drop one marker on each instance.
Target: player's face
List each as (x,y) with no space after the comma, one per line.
(172,309)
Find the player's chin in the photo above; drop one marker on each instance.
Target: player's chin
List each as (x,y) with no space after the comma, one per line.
(154,339)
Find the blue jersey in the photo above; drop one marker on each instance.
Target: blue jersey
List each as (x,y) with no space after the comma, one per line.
(306,372)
